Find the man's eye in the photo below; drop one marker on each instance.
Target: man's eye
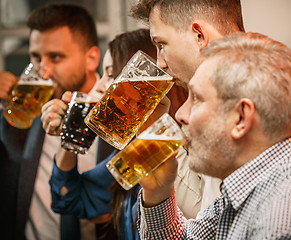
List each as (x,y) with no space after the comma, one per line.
(160,45)
(55,57)
(35,58)
(195,99)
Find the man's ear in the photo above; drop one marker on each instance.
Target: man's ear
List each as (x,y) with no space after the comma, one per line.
(201,34)
(244,112)
(93,58)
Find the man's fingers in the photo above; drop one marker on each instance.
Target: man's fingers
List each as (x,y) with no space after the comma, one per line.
(67,96)
(56,106)
(53,113)
(51,123)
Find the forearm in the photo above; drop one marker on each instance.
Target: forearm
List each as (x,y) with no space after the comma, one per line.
(87,195)
(158,186)
(65,160)
(166,221)
(154,198)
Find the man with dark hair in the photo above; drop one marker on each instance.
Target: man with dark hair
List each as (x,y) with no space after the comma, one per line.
(237,119)
(181,29)
(63,40)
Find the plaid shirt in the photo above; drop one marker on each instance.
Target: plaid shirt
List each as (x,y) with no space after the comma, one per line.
(255,204)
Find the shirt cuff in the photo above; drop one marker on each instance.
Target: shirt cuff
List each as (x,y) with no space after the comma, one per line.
(161,216)
(62,178)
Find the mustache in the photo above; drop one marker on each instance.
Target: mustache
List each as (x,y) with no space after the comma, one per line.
(188,137)
(186,132)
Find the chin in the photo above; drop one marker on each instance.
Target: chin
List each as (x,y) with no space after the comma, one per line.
(193,162)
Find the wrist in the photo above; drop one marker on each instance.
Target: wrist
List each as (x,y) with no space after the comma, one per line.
(65,160)
(154,198)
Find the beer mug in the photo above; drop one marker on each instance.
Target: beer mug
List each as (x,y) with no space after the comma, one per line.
(75,135)
(129,101)
(146,152)
(27,98)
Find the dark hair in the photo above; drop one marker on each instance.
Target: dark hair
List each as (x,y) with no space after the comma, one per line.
(122,48)
(225,15)
(75,17)
(125,45)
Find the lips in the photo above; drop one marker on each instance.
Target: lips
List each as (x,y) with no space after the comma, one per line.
(187,137)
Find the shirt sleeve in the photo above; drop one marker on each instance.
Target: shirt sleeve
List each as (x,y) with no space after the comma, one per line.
(88,193)
(273,219)
(166,221)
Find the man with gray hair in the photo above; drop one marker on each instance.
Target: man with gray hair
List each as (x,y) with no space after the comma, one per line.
(237,117)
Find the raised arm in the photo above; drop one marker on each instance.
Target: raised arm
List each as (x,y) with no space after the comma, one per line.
(7,80)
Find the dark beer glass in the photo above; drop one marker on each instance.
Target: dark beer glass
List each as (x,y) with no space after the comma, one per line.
(76,136)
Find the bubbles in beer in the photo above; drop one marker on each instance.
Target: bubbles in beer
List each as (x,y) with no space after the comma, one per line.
(76,136)
(125,106)
(25,103)
(141,157)
(145,153)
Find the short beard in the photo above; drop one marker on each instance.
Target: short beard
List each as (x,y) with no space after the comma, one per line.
(211,152)
(60,89)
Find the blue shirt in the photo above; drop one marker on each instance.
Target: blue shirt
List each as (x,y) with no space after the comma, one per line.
(89,196)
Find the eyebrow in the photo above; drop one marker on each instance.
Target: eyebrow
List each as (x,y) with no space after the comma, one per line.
(35,53)
(107,67)
(154,39)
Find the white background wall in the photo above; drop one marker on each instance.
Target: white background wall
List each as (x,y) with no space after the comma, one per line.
(270,17)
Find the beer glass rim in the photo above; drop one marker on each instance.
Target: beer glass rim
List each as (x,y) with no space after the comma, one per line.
(165,118)
(87,95)
(37,77)
(151,59)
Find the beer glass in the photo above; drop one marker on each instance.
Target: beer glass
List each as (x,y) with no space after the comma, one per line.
(129,101)
(75,135)
(146,152)
(27,98)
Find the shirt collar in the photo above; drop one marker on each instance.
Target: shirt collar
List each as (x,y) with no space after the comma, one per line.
(238,185)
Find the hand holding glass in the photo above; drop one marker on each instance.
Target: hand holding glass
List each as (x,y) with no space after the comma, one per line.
(76,136)
(27,98)
(129,101)
(146,152)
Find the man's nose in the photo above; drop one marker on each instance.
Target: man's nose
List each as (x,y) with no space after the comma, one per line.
(161,63)
(183,113)
(45,69)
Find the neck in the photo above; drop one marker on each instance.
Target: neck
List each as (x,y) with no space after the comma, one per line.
(254,146)
(89,83)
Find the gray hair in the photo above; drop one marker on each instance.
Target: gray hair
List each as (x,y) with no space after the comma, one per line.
(254,66)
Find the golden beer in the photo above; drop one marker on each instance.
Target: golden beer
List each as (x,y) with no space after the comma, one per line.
(145,153)
(25,102)
(125,107)
(141,157)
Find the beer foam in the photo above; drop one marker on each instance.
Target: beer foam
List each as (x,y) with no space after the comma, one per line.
(165,137)
(145,78)
(40,82)
(85,100)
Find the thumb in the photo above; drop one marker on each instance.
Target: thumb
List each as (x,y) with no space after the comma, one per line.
(67,96)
